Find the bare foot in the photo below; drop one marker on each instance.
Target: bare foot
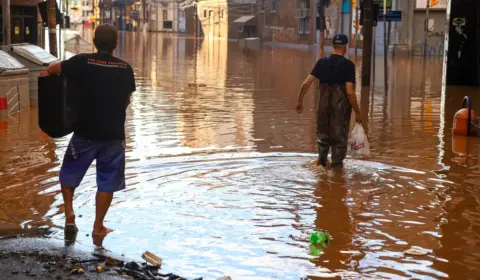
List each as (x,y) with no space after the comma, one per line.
(102,231)
(98,240)
(70,225)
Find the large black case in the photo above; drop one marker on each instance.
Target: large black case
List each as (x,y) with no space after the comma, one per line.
(56,105)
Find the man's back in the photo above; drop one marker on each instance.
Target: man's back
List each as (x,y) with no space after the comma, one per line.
(104,85)
(334,70)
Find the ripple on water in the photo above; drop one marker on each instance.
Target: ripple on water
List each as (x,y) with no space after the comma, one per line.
(220,179)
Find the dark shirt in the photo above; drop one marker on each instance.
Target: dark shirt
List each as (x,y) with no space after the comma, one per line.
(104,85)
(334,70)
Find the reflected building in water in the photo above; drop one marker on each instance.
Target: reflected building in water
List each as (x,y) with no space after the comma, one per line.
(27,173)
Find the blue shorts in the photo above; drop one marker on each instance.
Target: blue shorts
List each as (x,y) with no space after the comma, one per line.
(110,157)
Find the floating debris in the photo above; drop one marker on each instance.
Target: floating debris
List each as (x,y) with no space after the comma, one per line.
(151,258)
(77,271)
(416,252)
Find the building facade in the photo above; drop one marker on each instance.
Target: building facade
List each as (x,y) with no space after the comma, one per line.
(227,19)
(24,17)
(165,16)
(297,22)
(106,11)
(286,21)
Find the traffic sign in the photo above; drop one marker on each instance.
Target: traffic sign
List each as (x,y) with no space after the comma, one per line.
(391,16)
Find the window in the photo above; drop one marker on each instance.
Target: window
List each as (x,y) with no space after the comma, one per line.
(303,26)
(222,15)
(165,15)
(205,13)
(303,15)
(273,7)
(305,4)
(261,5)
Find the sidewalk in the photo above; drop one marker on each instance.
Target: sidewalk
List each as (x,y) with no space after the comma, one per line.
(46,258)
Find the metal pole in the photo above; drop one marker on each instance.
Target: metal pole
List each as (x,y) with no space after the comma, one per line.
(374,53)
(52,27)
(7,36)
(195,25)
(264,19)
(367,43)
(356,26)
(60,32)
(93,15)
(427,15)
(321,43)
(385,45)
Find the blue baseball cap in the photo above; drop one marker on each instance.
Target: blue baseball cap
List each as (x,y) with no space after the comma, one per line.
(340,39)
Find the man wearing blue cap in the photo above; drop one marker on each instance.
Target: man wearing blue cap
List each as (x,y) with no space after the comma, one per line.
(337,99)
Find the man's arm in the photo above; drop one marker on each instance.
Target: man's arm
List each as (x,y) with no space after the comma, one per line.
(54,68)
(303,91)
(129,99)
(133,86)
(352,97)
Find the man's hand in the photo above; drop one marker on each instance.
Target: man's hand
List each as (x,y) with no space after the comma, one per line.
(358,118)
(303,91)
(54,68)
(299,107)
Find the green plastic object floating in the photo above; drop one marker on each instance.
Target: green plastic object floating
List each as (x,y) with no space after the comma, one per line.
(319,240)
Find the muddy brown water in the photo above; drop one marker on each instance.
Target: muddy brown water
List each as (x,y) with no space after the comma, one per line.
(220,179)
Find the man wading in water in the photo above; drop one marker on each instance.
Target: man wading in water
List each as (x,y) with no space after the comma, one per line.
(105,84)
(337,97)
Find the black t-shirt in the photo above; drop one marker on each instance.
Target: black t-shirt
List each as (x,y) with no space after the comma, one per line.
(334,70)
(104,84)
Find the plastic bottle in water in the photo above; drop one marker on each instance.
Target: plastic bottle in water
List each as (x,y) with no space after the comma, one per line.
(320,238)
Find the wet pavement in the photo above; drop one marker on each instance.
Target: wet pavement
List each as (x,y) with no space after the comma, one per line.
(220,177)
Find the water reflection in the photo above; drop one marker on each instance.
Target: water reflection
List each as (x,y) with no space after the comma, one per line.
(28,157)
(220,179)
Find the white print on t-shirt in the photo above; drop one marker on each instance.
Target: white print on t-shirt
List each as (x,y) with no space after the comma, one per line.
(112,64)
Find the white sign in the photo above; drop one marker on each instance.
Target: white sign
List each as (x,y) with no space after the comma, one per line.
(181,21)
(422,4)
(431,25)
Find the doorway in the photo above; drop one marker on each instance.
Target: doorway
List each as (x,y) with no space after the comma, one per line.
(17,30)
(29,30)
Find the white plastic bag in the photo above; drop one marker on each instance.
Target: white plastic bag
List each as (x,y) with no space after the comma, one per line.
(358,143)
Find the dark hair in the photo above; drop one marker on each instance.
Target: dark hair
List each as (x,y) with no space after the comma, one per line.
(338,46)
(106,37)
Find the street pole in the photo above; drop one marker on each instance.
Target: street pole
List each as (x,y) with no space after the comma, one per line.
(144,16)
(385,45)
(52,27)
(427,15)
(93,15)
(321,43)
(7,35)
(195,25)
(356,26)
(264,19)
(60,32)
(374,54)
(367,42)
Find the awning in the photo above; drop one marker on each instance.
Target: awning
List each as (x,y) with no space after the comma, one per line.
(245,20)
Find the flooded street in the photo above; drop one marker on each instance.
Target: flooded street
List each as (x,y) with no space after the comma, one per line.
(220,178)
